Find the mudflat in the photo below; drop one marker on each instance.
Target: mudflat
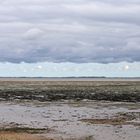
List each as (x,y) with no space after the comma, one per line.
(69,109)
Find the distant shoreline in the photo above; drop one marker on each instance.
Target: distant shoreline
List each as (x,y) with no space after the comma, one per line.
(69,78)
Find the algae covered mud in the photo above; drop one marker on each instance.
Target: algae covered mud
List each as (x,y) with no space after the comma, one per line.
(69,109)
(42,89)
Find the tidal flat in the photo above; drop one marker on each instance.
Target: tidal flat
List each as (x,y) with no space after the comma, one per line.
(69,109)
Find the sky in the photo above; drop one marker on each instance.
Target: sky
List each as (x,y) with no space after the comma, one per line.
(56,38)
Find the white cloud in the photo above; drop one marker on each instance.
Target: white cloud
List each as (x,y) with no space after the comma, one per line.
(40,67)
(32,34)
(126,67)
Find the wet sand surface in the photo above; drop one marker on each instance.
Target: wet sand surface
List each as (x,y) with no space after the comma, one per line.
(70,109)
(87,120)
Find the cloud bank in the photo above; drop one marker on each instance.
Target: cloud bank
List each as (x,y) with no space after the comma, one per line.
(78,31)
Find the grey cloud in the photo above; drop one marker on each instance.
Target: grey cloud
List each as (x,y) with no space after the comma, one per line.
(80,31)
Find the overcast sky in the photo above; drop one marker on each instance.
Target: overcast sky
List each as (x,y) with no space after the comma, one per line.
(72,33)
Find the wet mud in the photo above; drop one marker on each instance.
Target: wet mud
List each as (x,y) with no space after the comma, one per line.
(70,110)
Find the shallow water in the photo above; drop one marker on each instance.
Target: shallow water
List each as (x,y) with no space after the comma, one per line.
(63,118)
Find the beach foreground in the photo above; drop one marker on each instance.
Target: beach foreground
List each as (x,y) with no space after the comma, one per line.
(64,110)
